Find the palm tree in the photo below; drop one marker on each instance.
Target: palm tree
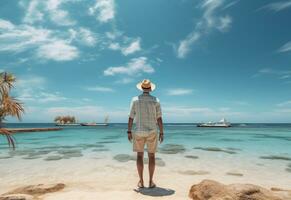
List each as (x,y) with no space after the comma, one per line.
(9,106)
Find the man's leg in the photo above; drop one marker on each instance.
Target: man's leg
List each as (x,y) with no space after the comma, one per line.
(152,164)
(139,165)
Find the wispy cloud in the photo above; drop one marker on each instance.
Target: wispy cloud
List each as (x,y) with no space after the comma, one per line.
(104,10)
(285,103)
(135,66)
(39,11)
(286,47)
(33,89)
(278,6)
(210,20)
(100,89)
(179,92)
(280,74)
(83,36)
(127,49)
(44,43)
(58,51)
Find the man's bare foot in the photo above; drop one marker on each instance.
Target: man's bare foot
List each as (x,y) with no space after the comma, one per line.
(152,184)
(140,184)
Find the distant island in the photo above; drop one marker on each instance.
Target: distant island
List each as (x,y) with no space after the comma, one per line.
(65,120)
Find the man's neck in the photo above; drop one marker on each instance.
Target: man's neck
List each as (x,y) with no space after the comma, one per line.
(147,93)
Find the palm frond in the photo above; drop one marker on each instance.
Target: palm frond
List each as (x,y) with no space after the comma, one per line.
(11,106)
(9,137)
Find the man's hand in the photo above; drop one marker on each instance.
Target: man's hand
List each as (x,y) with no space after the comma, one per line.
(161,137)
(129,135)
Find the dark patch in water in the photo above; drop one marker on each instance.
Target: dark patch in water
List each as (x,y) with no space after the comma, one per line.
(191,157)
(111,137)
(100,150)
(231,140)
(172,149)
(266,136)
(5,157)
(53,158)
(107,142)
(216,149)
(274,157)
(288,169)
(122,157)
(233,149)
(88,146)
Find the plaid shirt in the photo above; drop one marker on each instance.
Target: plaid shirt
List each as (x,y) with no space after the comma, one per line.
(145,109)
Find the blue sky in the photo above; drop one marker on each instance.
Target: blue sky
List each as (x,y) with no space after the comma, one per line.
(209,58)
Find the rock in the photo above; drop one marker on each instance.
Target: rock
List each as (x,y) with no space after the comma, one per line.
(212,190)
(17,197)
(36,190)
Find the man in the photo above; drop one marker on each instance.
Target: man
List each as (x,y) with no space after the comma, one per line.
(146,111)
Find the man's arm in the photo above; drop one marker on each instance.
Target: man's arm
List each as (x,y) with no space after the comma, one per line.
(129,134)
(160,124)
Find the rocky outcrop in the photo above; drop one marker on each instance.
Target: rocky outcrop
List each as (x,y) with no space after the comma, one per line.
(212,190)
(32,192)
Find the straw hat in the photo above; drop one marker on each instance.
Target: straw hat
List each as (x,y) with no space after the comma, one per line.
(146,85)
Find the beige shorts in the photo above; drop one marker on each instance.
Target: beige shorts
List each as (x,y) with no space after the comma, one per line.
(139,141)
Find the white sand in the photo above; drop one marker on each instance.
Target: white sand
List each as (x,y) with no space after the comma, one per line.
(99,177)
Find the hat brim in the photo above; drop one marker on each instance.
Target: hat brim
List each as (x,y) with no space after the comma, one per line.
(153,87)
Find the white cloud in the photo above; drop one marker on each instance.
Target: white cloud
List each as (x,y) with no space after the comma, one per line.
(58,51)
(6,25)
(286,47)
(39,10)
(104,9)
(135,67)
(33,89)
(185,45)
(209,21)
(44,43)
(179,91)
(33,13)
(127,49)
(132,48)
(278,6)
(100,89)
(83,36)
(285,103)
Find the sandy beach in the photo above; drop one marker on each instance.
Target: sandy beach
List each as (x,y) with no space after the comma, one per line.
(99,176)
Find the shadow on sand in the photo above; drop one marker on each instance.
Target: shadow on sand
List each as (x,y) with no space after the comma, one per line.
(155,192)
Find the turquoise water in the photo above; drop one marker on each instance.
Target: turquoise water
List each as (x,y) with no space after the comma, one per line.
(249,139)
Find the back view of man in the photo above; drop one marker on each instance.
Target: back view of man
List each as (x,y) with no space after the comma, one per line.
(146,111)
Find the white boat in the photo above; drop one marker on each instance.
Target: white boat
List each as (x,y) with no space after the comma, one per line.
(97,124)
(221,124)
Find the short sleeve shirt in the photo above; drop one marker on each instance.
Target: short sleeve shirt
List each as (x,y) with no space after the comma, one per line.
(145,109)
